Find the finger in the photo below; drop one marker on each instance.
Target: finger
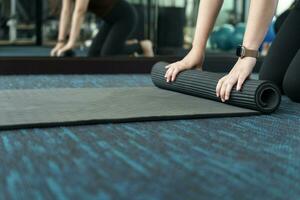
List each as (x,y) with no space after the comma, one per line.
(240,83)
(174,74)
(169,73)
(60,53)
(172,65)
(228,90)
(53,52)
(222,91)
(219,85)
(168,68)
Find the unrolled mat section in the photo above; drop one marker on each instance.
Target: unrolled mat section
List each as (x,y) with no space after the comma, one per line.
(192,95)
(263,96)
(62,107)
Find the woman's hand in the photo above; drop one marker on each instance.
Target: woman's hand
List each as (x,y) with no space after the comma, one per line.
(237,76)
(57,47)
(194,59)
(67,47)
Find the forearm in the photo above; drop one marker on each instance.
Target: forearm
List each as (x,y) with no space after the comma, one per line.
(207,15)
(77,20)
(260,16)
(65,19)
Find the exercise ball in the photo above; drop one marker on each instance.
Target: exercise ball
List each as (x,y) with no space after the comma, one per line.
(240,27)
(213,39)
(223,36)
(238,35)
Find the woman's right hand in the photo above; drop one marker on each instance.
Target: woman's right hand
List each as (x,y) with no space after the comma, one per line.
(194,59)
(57,47)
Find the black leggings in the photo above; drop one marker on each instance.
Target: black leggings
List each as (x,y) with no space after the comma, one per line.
(117,27)
(282,64)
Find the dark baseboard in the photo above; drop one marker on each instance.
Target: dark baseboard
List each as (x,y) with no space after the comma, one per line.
(108,65)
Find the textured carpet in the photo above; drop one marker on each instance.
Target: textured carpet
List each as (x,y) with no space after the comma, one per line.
(228,158)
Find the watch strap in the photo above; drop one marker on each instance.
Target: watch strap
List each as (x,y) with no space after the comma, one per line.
(251,53)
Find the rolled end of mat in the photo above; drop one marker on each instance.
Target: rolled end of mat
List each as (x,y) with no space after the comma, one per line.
(262,96)
(268,97)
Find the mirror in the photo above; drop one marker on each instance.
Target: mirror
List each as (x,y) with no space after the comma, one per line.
(30,28)
(161,27)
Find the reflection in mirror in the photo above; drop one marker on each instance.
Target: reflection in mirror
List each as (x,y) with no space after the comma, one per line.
(75,28)
(98,28)
(177,22)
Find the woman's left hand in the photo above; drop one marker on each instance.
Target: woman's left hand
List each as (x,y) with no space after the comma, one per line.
(67,47)
(237,76)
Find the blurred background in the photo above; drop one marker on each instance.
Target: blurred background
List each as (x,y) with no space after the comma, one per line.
(30,27)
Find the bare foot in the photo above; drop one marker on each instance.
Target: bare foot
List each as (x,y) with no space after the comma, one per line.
(133,41)
(147,48)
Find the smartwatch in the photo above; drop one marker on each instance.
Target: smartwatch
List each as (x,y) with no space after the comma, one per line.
(243,52)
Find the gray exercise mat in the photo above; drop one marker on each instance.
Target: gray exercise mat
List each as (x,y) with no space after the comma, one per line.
(192,95)
(260,95)
(55,107)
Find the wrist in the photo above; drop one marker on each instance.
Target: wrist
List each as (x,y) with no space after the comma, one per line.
(251,45)
(70,44)
(198,48)
(193,59)
(248,61)
(61,41)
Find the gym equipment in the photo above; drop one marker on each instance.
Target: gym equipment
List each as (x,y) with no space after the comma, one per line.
(4,29)
(64,107)
(263,96)
(227,37)
(222,37)
(12,23)
(213,39)
(240,27)
(171,22)
(238,35)
(27,108)
(51,30)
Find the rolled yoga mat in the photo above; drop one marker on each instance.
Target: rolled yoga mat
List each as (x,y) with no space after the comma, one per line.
(263,96)
(62,107)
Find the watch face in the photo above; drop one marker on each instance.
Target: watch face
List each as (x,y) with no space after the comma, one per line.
(240,51)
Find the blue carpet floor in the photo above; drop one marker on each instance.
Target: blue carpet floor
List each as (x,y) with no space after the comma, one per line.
(255,157)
